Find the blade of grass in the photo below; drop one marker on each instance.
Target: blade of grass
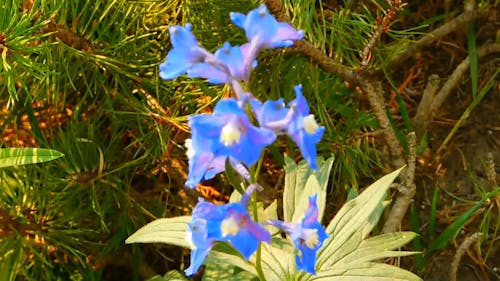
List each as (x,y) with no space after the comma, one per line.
(471,44)
(449,233)
(417,242)
(432,219)
(477,99)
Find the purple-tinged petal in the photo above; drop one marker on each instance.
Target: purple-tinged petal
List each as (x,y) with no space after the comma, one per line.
(264,31)
(243,233)
(311,215)
(308,236)
(208,71)
(288,32)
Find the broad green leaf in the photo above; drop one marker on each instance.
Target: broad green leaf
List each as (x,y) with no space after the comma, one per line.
(348,254)
(355,220)
(215,271)
(168,230)
(22,156)
(223,253)
(278,260)
(302,182)
(379,247)
(245,276)
(172,275)
(366,271)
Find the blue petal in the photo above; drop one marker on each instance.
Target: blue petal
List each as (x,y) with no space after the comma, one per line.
(248,150)
(307,260)
(270,111)
(182,37)
(174,65)
(300,101)
(233,58)
(198,256)
(307,145)
(264,31)
(208,71)
(184,54)
(238,19)
(198,167)
(260,25)
(250,233)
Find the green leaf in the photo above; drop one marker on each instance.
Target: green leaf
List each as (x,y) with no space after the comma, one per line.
(22,156)
(172,275)
(366,271)
(355,220)
(302,182)
(449,233)
(278,260)
(215,271)
(348,254)
(168,230)
(223,253)
(379,247)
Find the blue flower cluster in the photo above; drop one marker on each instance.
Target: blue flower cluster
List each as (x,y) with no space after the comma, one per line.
(229,134)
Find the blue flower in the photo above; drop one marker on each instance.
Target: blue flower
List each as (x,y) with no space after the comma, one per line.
(304,129)
(225,133)
(308,236)
(229,65)
(185,53)
(293,120)
(264,30)
(226,223)
(203,230)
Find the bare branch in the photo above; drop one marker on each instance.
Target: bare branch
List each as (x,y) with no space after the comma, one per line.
(406,189)
(460,252)
(438,33)
(457,74)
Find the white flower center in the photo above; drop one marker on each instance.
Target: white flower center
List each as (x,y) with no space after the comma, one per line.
(188,144)
(229,226)
(310,125)
(311,238)
(230,134)
(189,239)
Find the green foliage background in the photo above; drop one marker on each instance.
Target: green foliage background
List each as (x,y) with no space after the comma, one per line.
(81,77)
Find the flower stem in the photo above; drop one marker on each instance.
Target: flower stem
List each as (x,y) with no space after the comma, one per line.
(258,255)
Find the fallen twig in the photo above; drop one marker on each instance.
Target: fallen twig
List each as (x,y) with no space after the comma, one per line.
(457,74)
(460,252)
(423,115)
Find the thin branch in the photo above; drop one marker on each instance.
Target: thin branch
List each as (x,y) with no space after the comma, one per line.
(423,115)
(457,74)
(372,91)
(457,23)
(406,189)
(382,26)
(460,252)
